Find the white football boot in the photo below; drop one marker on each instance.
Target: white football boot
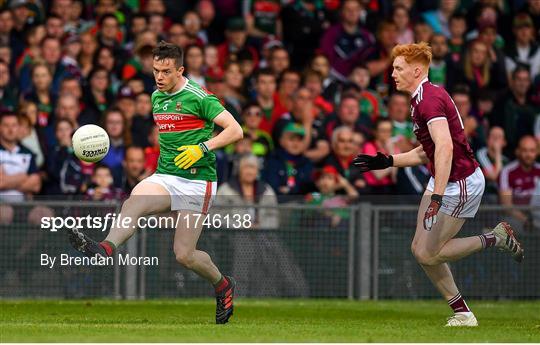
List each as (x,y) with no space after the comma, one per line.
(506,241)
(466,319)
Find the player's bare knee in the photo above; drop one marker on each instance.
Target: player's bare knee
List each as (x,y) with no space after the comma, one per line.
(423,257)
(185,258)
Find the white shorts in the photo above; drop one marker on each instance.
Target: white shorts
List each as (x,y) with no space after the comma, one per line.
(462,198)
(186,194)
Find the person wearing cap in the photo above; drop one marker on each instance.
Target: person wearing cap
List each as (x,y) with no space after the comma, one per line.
(524,49)
(287,170)
(329,182)
(236,41)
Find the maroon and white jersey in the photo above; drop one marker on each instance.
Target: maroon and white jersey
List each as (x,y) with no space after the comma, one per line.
(522,183)
(431,103)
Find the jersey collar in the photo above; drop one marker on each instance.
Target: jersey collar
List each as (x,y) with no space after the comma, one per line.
(180,90)
(419,87)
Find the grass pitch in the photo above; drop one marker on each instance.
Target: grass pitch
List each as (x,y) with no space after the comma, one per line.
(270,320)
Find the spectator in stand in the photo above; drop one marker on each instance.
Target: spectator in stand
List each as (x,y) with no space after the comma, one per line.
(381,181)
(346,44)
(138,24)
(278,60)
(233,91)
(177,35)
(32,52)
(125,101)
(402,127)
(400,16)
(18,171)
(379,62)
(456,42)
(97,94)
(41,93)
(246,190)
(348,114)
(68,108)
(313,81)
(110,35)
(492,160)
(192,25)
(422,31)
(51,54)
(236,41)
(262,17)
(194,64)
(143,120)
(212,26)
(304,22)
(301,114)
(287,170)
(115,124)
(151,152)
(514,111)
(104,57)
(518,179)
(71,85)
(89,46)
(289,82)
(441,64)
(371,105)
(439,18)
(133,167)
(267,99)
(134,65)
(477,71)
(343,152)
(320,64)
(28,138)
(473,129)
(328,182)
(8,36)
(102,187)
(156,24)
(525,49)
(54,26)
(8,93)
(262,143)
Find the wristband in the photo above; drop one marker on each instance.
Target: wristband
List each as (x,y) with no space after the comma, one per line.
(437,198)
(204,148)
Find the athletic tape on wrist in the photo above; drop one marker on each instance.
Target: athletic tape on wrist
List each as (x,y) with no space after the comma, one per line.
(204,148)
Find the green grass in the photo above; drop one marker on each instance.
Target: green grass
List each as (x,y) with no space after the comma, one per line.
(191,320)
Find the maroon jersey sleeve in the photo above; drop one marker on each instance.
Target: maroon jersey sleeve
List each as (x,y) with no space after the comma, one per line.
(432,108)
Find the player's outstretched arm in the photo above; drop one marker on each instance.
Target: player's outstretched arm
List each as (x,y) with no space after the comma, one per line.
(411,158)
(232,131)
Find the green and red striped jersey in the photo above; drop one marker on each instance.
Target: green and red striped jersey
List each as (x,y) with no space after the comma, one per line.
(185,117)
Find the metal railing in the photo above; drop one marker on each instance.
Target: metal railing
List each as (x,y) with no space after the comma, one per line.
(301,252)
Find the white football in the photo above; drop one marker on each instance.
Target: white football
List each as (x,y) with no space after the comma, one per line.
(90,143)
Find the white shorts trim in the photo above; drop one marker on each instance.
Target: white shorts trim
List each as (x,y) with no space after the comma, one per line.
(462,198)
(186,194)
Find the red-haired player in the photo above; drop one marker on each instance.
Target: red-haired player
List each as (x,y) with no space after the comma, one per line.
(455,189)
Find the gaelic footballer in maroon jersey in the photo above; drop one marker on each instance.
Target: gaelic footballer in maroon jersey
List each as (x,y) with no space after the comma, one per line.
(455,189)
(431,103)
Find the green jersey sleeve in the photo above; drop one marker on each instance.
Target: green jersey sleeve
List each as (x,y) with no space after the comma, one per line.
(210,108)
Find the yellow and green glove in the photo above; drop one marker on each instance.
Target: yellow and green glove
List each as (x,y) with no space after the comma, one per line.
(189,155)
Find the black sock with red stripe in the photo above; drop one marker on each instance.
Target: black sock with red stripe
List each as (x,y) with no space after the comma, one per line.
(221,285)
(108,246)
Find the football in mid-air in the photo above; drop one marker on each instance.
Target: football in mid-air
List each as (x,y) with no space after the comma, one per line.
(90,143)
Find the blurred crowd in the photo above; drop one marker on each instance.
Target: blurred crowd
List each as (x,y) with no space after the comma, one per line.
(309,80)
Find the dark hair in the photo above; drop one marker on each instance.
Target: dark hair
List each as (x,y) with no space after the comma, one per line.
(461,89)
(520,68)
(98,51)
(5,114)
(457,16)
(139,15)
(380,120)
(105,16)
(101,166)
(52,16)
(47,38)
(165,50)
(398,93)
(264,71)
(60,120)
